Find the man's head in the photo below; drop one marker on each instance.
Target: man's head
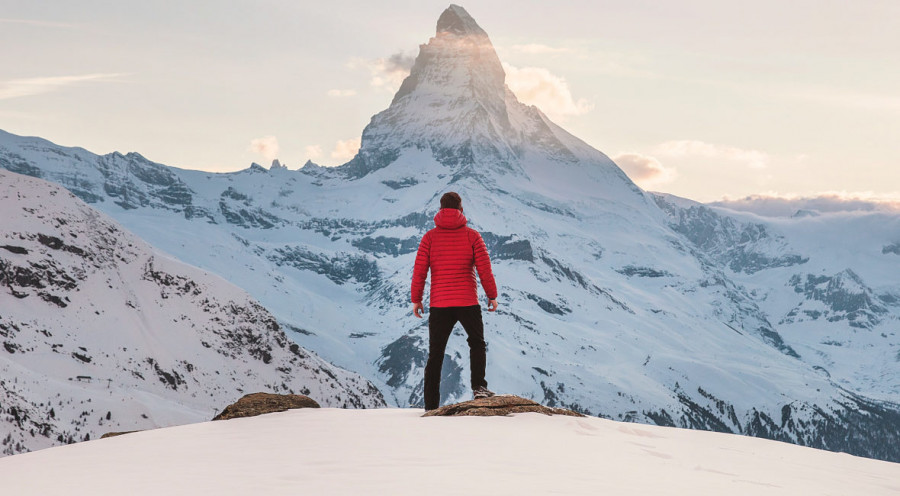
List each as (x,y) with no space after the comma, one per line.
(451,200)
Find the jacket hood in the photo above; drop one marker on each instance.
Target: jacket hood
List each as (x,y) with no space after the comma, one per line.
(449,218)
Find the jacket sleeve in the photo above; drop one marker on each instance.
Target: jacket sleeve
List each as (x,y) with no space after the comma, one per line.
(420,271)
(483,266)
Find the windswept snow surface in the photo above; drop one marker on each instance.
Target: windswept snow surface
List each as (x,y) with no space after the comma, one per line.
(395,451)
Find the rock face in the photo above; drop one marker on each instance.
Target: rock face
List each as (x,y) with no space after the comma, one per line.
(743,247)
(101,332)
(255,404)
(497,406)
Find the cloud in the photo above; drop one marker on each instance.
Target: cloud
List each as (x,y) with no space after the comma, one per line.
(16,88)
(341,93)
(692,148)
(313,152)
(584,52)
(786,205)
(537,49)
(346,149)
(643,169)
(387,73)
(550,93)
(267,146)
(399,61)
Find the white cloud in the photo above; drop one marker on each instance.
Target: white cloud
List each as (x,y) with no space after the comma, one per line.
(341,93)
(267,146)
(585,52)
(16,88)
(692,148)
(550,93)
(313,152)
(785,205)
(387,73)
(537,49)
(346,149)
(644,170)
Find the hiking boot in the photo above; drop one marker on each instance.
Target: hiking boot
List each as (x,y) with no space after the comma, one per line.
(482,392)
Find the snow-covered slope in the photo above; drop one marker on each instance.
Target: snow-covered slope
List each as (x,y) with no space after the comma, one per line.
(828,282)
(103,333)
(608,304)
(328,451)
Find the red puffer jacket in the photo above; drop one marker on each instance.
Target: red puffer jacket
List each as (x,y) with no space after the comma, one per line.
(450,250)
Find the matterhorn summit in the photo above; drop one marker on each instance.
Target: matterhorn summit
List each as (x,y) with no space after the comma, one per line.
(455,103)
(613,302)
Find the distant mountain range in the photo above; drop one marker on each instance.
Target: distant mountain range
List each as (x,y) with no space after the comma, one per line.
(614,301)
(103,333)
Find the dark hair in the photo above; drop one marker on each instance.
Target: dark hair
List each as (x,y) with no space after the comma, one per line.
(451,200)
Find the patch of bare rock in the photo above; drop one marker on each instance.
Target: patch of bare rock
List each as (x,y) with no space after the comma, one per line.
(114,434)
(499,405)
(255,404)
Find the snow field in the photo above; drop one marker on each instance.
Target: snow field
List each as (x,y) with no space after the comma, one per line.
(395,451)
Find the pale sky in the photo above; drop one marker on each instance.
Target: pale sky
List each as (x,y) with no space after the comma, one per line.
(705,99)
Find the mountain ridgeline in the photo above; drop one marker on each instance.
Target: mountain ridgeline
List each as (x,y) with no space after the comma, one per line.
(614,302)
(103,333)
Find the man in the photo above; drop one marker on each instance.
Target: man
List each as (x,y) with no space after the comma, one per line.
(450,250)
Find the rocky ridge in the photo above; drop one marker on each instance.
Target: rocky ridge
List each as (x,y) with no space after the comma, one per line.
(102,332)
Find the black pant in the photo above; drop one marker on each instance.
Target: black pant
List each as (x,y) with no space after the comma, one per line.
(440,325)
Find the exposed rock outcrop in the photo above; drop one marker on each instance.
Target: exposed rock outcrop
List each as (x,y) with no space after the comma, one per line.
(114,434)
(255,404)
(501,405)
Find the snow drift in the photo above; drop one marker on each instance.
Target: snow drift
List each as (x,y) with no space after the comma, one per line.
(396,451)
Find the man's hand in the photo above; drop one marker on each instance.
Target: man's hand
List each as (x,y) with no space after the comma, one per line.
(492,305)
(418,310)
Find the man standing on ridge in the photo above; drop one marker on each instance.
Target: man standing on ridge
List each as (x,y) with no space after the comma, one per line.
(451,250)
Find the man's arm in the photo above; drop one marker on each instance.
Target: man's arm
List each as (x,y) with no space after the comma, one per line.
(420,273)
(483,266)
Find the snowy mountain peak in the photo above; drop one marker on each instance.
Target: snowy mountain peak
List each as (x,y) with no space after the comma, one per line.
(457,21)
(459,61)
(614,304)
(456,105)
